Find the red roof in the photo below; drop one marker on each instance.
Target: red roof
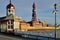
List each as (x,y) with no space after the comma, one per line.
(10,5)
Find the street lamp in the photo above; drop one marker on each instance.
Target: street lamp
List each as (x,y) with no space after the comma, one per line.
(55,10)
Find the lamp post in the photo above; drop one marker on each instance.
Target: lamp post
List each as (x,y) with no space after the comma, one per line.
(55,10)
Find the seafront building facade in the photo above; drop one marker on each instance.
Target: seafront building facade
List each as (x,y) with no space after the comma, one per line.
(11,22)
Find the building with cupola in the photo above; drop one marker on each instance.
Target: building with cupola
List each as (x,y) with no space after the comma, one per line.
(11,22)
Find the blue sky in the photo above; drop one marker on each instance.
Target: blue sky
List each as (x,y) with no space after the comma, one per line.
(23,8)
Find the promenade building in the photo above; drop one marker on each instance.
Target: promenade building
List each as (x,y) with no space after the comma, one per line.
(11,22)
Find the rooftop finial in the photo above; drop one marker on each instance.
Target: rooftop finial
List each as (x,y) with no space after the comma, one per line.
(10,1)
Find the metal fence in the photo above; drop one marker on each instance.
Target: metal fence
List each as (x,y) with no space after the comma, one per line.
(34,35)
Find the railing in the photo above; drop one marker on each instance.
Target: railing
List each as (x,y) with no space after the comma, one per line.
(33,35)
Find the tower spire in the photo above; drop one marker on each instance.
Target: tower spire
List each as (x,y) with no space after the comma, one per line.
(34,20)
(34,6)
(34,12)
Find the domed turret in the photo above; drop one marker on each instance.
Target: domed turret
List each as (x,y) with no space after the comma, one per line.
(10,5)
(10,9)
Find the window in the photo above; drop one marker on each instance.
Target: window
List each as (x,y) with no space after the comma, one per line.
(9,10)
(10,24)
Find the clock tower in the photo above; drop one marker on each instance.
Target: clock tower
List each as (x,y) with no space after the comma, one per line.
(10,9)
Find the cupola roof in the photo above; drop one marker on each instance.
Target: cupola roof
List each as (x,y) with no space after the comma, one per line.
(10,5)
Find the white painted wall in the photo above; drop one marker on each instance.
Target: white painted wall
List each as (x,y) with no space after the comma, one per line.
(16,25)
